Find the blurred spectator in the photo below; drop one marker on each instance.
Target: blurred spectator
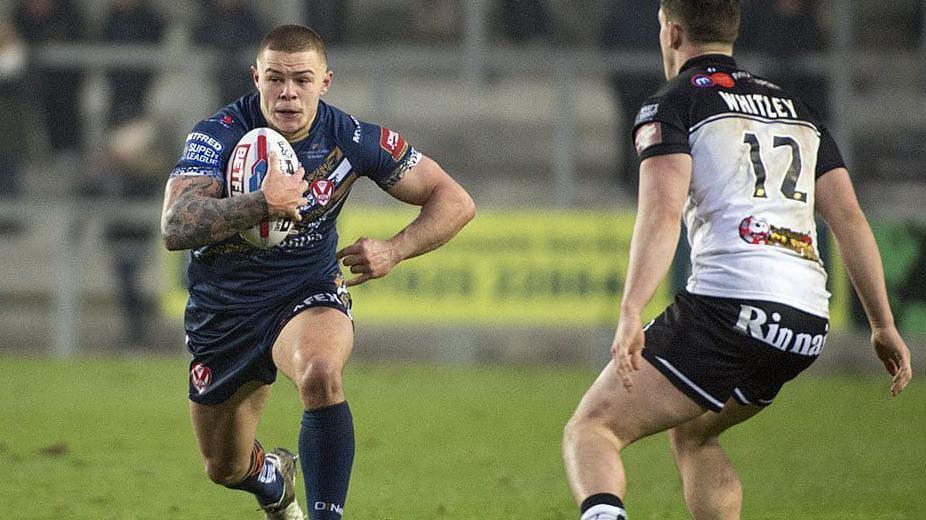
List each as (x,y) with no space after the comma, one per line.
(786,30)
(131,169)
(46,21)
(12,67)
(135,22)
(438,21)
(328,18)
(232,28)
(631,26)
(525,20)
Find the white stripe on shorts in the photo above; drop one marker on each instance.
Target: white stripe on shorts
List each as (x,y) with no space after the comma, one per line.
(688,382)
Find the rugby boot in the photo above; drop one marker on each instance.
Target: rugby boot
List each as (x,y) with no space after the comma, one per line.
(288,507)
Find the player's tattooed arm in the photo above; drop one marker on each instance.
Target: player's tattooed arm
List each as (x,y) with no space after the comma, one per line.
(194,215)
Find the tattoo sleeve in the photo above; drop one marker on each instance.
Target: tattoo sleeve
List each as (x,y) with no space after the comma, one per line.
(195,216)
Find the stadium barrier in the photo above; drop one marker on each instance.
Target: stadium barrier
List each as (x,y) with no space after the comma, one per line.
(518,268)
(560,268)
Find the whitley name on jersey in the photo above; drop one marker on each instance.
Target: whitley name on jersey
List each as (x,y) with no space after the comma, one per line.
(760,105)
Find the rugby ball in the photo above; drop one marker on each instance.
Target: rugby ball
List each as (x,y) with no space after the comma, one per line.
(247,167)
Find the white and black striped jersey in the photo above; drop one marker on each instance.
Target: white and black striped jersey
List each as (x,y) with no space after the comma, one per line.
(756,153)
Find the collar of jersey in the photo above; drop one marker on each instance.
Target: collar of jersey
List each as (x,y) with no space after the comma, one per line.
(708,59)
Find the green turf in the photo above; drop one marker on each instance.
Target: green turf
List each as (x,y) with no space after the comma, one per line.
(110,439)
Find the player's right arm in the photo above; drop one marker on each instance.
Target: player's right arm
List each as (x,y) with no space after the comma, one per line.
(664,182)
(195,214)
(837,203)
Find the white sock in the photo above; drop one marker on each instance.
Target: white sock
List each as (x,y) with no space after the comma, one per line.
(604,512)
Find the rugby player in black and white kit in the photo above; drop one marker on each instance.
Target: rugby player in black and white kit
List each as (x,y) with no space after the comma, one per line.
(745,164)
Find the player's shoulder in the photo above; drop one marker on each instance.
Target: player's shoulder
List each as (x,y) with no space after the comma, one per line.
(238,117)
(222,130)
(211,140)
(342,127)
(352,135)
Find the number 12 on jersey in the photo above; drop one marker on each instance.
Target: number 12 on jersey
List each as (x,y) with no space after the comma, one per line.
(793,173)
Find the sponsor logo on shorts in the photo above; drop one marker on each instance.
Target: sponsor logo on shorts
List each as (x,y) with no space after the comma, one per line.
(201,377)
(756,323)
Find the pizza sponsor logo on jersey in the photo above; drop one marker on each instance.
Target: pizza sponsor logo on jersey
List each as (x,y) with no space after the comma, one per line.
(758,231)
(201,377)
(322,190)
(646,113)
(392,142)
(755,322)
(760,105)
(649,134)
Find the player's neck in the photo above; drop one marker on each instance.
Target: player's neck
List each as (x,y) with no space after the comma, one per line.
(690,50)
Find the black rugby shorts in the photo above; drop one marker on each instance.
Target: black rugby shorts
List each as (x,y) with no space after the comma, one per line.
(713,349)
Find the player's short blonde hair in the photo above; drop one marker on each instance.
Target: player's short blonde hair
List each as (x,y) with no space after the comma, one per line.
(705,21)
(293,38)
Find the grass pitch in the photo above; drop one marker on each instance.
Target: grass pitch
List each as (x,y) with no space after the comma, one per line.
(110,439)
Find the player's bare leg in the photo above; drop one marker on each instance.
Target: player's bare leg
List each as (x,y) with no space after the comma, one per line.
(610,417)
(312,350)
(712,487)
(226,435)
(225,432)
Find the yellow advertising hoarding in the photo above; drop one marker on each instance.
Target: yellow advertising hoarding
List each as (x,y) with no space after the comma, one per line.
(550,268)
(506,268)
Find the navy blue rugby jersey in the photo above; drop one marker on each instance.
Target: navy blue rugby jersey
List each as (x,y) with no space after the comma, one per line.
(233,274)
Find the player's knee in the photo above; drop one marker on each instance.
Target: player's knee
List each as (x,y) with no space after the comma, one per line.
(223,472)
(583,426)
(688,439)
(320,379)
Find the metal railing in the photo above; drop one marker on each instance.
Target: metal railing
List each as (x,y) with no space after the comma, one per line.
(473,60)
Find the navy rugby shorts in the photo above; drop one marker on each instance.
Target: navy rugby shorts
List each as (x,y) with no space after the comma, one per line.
(230,349)
(713,349)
